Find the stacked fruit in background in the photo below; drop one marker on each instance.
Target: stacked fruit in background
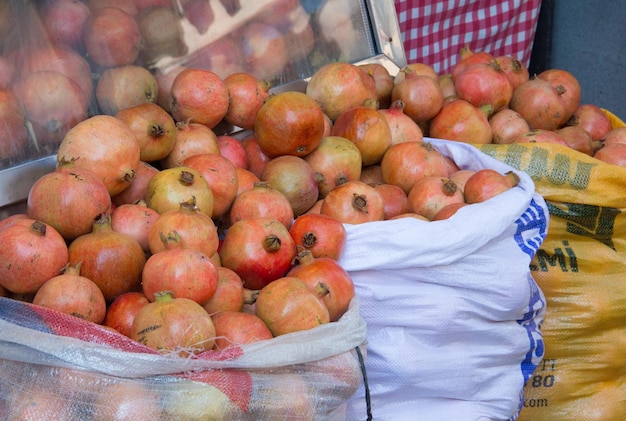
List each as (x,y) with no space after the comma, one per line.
(64,60)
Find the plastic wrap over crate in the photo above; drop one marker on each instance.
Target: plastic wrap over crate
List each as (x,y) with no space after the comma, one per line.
(452,310)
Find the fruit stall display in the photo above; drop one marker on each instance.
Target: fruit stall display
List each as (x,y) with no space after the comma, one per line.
(346,235)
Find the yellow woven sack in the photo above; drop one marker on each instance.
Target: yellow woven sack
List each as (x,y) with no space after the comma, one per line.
(581,268)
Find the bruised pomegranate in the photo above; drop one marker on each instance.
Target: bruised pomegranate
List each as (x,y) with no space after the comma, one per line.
(73,294)
(106,146)
(339,86)
(68,191)
(289,123)
(31,253)
(174,325)
(288,305)
(114,261)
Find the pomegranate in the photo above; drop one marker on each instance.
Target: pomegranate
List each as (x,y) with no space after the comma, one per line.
(106,146)
(183,271)
(506,125)
(326,271)
(416,68)
(257,158)
(403,128)
(372,174)
(31,253)
(262,201)
(127,6)
(405,163)
(540,135)
(199,13)
(289,123)
(448,210)
(541,104)
(73,294)
(422,96)
(487,183)
(339,86)
(322,235)
(461,121)
(111,37)
(174,325)
(383,81)
(430,194)
(154,128)
(460,177)
(566,85)
(577,138)
(136,220)
(131,400)
(191,139)
(222,56)
(467,58)
(288,305)
(259,250)
(264,50)
(221,177)
(200,96)
(515,70)
(367,128)
(615,135)
(62,59)
(394,198)
(247,95)
(192,228)
(170,187)
(236,328)
(295,179)
(137,189)
(335,161)
(245,180)
(68,191)
(484,84)
(165,78)
(229,293)
(124,87)
(161,33)
(121,312)
(592,119)
(354,202)
(114,261)
(232,149)
(611,153)
(53,104)
(447,87)
(63,21)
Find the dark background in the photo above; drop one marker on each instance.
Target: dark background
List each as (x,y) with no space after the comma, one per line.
(588,39)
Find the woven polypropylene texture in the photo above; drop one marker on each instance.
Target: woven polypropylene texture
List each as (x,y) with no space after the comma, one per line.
(433,31)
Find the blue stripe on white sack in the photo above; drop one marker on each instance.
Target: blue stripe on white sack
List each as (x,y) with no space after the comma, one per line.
(451,307)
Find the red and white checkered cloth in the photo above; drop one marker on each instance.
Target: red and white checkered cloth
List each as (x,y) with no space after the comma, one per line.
(434,31)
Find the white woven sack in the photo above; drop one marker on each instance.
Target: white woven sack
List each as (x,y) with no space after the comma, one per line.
(451,308)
